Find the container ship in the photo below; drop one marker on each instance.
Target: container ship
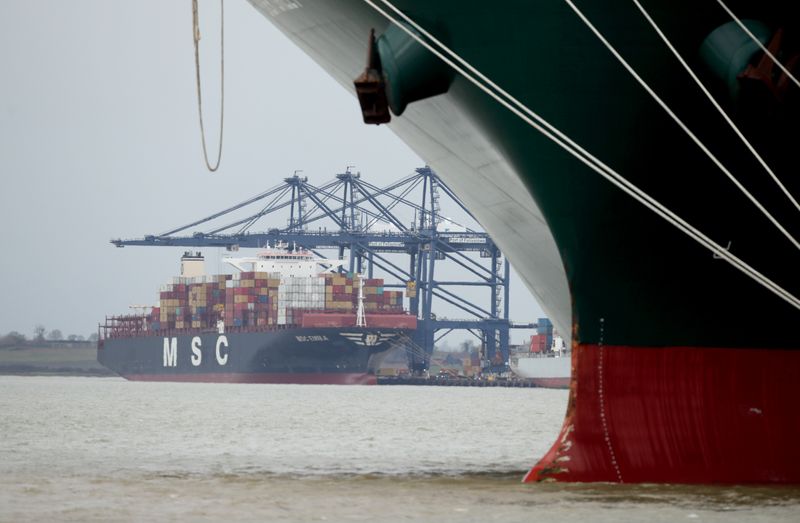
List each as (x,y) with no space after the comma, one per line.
(280,319)
(546,361)
(608,149)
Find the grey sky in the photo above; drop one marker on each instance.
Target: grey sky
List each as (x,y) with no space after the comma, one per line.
(99,139)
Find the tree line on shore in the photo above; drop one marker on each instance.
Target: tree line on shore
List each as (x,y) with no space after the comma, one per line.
(42,335)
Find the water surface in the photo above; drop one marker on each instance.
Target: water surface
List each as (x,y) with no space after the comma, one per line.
(78,449)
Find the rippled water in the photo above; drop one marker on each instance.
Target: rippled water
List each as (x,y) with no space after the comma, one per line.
(107,449)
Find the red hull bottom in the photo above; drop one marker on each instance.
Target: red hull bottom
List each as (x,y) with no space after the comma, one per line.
(551,383)
(263,377)
(679,415)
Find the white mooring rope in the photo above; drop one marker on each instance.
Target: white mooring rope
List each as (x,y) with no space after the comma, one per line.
(544,127)
(680,123)
(196,38)
(716,105)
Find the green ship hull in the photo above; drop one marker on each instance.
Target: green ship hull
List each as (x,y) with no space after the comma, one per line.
(678,357)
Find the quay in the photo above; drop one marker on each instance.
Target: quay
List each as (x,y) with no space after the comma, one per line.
(440,381)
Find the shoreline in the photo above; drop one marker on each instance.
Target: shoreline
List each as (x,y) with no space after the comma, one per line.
(12,370)
(47,358)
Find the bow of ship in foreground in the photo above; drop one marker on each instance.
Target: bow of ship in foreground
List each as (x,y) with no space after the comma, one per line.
(637,163)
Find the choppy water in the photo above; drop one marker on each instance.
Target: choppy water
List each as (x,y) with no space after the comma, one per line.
(105,449)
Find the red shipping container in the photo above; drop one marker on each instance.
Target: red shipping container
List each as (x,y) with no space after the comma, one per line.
(538,342)
(328,320)
(392,321)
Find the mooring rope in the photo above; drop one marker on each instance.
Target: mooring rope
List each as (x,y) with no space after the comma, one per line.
(682,125)
(549,131)
(196,38)
(716,104)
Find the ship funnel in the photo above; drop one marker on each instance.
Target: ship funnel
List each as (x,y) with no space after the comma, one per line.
(192,265)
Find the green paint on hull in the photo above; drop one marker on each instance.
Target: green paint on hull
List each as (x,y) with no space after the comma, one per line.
(648,283)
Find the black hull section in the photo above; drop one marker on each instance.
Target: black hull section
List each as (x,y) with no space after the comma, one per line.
(324,355)
(605,269)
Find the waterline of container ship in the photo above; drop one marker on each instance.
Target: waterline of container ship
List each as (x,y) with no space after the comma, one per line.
(683,368)
(281,321)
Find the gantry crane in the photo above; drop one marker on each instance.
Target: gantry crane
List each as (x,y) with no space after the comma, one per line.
(367,226)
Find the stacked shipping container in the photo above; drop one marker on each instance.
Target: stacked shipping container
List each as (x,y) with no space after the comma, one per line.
(261,299)
(190,303)
(539,343)
(341,294)
(542,341)
(298,294)
(251,300)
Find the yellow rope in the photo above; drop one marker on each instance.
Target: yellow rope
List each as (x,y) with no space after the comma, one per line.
(196,37)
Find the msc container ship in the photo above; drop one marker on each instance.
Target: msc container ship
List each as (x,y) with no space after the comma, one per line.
(685,364)
(281,321)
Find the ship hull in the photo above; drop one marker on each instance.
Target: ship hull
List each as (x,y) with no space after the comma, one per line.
(300,378)
(609,272)
(679,415)
(551,383)
(294,355)
(549,373)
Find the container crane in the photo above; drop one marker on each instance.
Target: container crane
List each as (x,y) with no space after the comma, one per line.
(367,226)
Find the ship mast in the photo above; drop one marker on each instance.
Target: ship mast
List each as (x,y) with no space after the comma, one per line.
(361,320)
